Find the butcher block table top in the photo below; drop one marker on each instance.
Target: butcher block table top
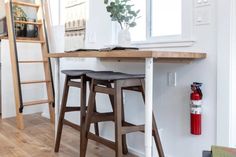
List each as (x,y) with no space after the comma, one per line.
(131,54)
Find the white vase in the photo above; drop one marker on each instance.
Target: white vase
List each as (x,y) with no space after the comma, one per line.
(124,38)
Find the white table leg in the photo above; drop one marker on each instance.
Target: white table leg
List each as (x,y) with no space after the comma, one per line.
(57,92)
(148,106)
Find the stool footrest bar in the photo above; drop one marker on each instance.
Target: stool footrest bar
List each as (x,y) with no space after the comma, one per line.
(73,125)
(101,140)
(74,84)
(102,117)
(104,90)
(130,129)
(72,109)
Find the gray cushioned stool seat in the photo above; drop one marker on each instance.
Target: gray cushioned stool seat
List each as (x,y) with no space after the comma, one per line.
(112,76)
(75,73)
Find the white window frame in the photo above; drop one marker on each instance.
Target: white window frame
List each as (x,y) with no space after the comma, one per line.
(185,39)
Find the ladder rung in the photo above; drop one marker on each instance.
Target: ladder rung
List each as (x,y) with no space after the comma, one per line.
(29,40)
(38,102)
(28,22)
(25,4)
(31,62)
(34,82)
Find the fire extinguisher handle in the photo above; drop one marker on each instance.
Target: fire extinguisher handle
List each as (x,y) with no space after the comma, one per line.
(200,92)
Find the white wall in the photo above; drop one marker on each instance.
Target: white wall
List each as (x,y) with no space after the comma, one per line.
(28,72)
(171,104)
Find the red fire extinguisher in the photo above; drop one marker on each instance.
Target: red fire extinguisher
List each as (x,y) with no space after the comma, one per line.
(196,109)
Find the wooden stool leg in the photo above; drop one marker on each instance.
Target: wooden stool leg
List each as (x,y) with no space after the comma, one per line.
(83,93)
(62,115)
(154,125)
(124,141)
(157,138)
(86,128)
(118,119)
(111,97)
(96,126)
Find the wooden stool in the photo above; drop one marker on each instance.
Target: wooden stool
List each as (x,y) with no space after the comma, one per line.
(82,84)
(121,82)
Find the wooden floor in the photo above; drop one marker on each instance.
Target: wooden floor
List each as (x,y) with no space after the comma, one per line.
(37,140)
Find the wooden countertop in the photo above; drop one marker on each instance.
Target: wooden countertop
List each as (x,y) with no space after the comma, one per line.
(131,54)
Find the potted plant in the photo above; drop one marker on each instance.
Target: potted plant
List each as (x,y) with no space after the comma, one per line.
(20,15)
(122,12)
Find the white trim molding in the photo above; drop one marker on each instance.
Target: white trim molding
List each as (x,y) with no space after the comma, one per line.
(226,73)
(164,44)
(232,139)
(185,39)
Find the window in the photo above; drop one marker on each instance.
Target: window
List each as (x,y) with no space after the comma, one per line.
(160,19)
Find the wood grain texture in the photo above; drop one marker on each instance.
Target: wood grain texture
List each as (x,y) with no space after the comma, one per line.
(37,102)
(45,50)
(35,81)
(28,22)
(32,62)
(14,59)
(37,140)
(25,4)
(132,54)
(14,66)
(25,39)
(3,36)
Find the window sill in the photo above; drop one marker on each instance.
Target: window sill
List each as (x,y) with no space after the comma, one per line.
(164,44)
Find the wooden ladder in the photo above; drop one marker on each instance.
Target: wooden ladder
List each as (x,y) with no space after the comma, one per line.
(42,39)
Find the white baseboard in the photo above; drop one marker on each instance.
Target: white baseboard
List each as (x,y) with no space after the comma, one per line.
(141,154)
(136,152)
(45,115)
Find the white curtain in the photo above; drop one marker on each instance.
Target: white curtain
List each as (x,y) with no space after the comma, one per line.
(75,24)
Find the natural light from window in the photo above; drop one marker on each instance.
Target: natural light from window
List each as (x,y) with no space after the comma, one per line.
(165,19)
(138,33)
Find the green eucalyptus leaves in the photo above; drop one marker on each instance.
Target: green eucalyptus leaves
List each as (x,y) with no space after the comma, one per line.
(122,12)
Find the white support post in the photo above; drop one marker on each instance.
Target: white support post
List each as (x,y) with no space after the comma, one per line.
(148,106)
(57,92)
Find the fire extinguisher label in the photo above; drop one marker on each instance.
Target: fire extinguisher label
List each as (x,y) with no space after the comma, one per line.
(196,102)
(196,107)
(196,110)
